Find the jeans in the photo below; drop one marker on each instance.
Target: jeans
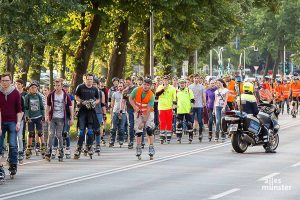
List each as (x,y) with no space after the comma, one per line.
(66,134)
(219,114)
(131,125)
(199,112)
(10,127)
(97,135)
(287,102)
(56,129)
(118,124)
(20,137)
(210,119)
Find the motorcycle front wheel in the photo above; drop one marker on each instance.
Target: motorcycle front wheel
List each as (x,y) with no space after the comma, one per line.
(238,144)
(274,141)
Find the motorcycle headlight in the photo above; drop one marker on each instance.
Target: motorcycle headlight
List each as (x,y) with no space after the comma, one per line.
(277,127)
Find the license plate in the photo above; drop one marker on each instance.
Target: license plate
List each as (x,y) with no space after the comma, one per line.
(233,127)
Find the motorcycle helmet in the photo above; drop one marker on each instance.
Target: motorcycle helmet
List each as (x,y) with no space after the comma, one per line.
(248,87)
(148,80)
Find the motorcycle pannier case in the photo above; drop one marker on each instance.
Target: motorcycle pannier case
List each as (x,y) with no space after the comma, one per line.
(252,124)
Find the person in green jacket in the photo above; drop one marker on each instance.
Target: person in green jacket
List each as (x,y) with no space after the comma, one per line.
(34,115)
(185,100)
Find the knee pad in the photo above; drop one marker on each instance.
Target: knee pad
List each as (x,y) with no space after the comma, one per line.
(179,124)
(139,134)
(97,133)
(149,131)
(189,125)
(81,133)
(31,134)
(65,134)
(90,132)
(40,134)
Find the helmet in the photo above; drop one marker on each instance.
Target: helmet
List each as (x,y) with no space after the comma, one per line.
(34,82)
(182,80)
(248,87)
(115,79)
(148,80)
(66,84)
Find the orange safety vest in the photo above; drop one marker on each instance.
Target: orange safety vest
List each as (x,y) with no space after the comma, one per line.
(286,90)
(143,103)
(295,87)
(279,92)
(231,92)
(265,95)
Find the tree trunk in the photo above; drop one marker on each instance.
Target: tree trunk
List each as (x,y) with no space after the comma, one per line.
(85,48)
(268,63)
(10,64)
(37,64)
(51,67)
(93,65)
(26,60)
(191,64)
(118,58)
(63,65)
(147,49)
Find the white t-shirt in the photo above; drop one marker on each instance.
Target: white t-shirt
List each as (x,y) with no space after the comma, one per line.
(199,91)
(220,97)
(59,106)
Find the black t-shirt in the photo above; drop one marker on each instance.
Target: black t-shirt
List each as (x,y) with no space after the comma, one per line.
(85,93)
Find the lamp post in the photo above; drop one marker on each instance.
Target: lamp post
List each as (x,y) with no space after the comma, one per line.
(220,59)
(151,44)
(244,64)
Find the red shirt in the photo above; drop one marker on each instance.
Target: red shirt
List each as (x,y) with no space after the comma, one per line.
(10,107)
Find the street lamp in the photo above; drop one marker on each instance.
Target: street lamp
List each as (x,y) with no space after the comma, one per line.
(220,59)
(244,52)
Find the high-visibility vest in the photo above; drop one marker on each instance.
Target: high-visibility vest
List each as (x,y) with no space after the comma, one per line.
(231,91)
(286,90)
(265,95)
(279,92)
(295,87)
(142,103)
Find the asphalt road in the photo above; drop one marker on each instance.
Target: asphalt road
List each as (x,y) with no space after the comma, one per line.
(204,170)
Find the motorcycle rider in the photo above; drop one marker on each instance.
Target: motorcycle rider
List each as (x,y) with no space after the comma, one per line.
(249,106)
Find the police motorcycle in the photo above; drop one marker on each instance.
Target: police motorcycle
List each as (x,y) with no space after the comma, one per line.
(245,130)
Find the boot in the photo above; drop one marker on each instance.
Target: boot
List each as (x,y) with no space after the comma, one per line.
(2,174)
(138,151)
(60,154)
(151,151)
(200,134)
(209,136)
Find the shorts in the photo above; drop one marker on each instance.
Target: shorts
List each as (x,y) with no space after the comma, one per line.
(140,119)
(35,125)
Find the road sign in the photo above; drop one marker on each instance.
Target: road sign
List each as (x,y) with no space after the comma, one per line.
(256,68)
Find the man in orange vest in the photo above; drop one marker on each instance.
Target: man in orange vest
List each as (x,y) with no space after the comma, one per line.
(231,93)
(142,101)
(265,94)
(295,91)
(286,94)
(278,88)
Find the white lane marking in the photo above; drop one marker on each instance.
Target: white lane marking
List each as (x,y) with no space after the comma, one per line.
(296,165)
(105,173)
(268,176)
(225,193)
(26,163)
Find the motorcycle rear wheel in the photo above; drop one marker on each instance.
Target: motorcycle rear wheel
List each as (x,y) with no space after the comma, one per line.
(237,144)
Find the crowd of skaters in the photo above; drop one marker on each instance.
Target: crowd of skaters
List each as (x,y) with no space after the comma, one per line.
(138,106)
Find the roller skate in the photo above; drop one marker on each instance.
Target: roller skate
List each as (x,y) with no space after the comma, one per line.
(120,143)
(138,151)
(209,136)
(190,137)
(178,140)
(48,155)
(162,139)
(53,154)
(2,175)
(143,145)
(37,149)
(98,149)
(43,149)
(20,157)
(223,137)
(12,170)
(151,151)
(200,135)
(77,153)
(28,153)
(90,151)
(130,145)
(60,155)
(103,141)
(85,151)
(169,137)
(68,153)
(111,144)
